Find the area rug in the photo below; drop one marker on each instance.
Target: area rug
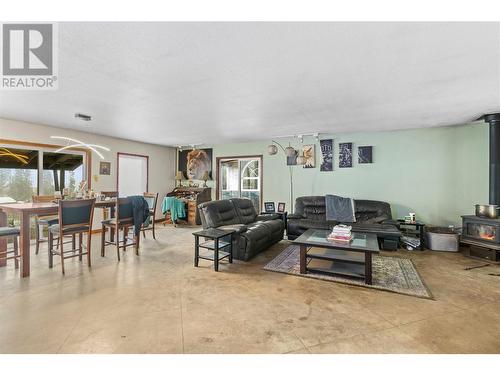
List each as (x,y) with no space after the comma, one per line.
(391,274)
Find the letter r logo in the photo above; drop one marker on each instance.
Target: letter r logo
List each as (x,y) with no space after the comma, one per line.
(27,49)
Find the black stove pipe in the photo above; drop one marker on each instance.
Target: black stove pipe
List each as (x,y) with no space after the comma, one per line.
(494,121)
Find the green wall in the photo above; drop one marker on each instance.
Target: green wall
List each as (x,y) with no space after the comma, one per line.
(438,173)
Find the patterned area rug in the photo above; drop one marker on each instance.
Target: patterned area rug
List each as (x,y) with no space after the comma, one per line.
(389,273)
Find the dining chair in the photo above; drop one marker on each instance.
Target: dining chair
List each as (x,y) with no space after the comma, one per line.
(75,218)
(11,232)
(43,221)
(109,213)
(151,199)
(124,220)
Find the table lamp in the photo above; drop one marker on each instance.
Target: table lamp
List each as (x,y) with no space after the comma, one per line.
(205,178)
(179,177)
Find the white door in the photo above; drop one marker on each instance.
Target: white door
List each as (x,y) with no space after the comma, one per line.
(132,174)
(241,178)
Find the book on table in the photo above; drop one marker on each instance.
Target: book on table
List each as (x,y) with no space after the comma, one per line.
(341,233)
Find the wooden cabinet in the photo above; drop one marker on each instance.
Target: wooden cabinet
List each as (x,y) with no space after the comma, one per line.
(192,197)
(191,212)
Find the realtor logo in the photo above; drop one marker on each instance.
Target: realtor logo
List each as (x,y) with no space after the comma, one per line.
(28,56)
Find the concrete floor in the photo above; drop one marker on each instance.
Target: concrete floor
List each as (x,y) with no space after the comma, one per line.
(160,303)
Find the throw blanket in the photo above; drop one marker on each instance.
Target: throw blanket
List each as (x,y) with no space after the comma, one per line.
(140,210)
(175,206)
(340,209)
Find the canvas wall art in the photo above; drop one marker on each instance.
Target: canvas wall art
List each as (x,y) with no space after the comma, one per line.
(365,154)
(292,160)
(105,168)
(309,155)
(326,146)
(195,162)
(345,155)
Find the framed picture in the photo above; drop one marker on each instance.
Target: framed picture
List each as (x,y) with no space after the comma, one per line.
(281,207)
(105,168)
(292,160)
(326,146)
(365,154)
(269,207)
(345,155)
(194,163)
(309,155)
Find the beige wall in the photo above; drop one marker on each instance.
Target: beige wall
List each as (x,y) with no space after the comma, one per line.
(161,159)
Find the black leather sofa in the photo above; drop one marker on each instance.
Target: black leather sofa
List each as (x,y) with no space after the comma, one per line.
(371,216)
(253,233)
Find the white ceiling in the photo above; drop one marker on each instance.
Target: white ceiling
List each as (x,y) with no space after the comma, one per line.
(182,83)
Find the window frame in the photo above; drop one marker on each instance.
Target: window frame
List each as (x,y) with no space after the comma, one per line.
(41,147)
(218,174)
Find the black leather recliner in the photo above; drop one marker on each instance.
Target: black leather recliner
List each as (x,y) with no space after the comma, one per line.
(253,233)
(371,217)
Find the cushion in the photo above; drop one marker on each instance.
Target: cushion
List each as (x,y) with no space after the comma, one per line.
(269,216)
(113,221)
(218,213)
(48,221)
(245,210)
(55,229)
(9,231)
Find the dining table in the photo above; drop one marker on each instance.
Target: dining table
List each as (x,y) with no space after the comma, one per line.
(25,211)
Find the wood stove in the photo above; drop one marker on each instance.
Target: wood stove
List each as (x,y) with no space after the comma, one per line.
(481,229)
(482,235)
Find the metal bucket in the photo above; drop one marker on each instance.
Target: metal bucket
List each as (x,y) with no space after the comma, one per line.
(489,211)
(442,239)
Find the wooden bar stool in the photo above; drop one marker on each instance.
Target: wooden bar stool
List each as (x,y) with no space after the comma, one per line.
(109,213)
(152,199)
(124,220)
(75,218)
(43,221)
(11,232)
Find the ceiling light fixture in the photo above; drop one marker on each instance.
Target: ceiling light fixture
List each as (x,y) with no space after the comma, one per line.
(78,143)
(22,158)
(191,145)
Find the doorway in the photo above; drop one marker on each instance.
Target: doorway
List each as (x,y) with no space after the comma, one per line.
(132,174)
(240,177)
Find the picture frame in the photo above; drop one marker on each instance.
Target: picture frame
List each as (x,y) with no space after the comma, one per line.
(269,207)
(326,146)
(365,154)
(105,168)
(281,207)
(195,162)
(308,152)
(345,155)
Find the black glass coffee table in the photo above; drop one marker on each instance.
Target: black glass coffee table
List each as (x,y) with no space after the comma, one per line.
(353,259)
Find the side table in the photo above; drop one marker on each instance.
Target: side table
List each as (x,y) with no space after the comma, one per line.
(214,248)
(418,231)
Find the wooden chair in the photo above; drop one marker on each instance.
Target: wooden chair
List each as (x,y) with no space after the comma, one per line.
(11,232)
(43,221)
(124,220)
(152,199)
(75,218)
(109,213)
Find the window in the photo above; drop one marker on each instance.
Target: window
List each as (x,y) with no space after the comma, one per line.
(25,172)
(60,171)
(240,178)
(18,174)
